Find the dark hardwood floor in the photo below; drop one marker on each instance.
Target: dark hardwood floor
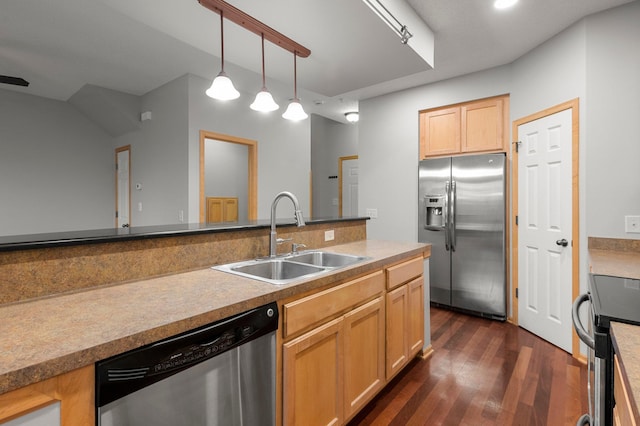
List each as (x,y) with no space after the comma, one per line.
(482,372)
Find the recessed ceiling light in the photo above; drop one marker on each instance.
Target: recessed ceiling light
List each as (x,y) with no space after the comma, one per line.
(503,4)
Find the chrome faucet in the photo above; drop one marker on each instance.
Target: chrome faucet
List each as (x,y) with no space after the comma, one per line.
(273,241)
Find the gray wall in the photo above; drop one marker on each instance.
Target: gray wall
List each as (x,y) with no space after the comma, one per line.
(56,168)
(284,147)
(159,157)
(613,120)
(596,60)
(330,140)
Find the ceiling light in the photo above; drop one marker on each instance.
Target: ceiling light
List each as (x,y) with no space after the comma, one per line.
(352,117)
(503,4)
(264,101)
(294,111)
(393,22)
(222,87)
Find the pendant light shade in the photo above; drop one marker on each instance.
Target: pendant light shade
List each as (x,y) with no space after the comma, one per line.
(294,111)
(222,87)
(264,101)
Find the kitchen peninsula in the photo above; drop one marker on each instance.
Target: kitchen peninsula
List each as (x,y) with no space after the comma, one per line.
(67,304)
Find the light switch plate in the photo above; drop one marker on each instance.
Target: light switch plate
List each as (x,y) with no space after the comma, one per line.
(632,224)
(372,213)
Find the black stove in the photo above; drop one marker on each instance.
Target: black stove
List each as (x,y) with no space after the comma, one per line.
(611,299)
(615,299)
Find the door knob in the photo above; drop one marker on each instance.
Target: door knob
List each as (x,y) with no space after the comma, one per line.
(562,242)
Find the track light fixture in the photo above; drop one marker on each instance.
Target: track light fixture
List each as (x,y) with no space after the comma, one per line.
(264,101)
(222,86)
(393,22)
(294,111)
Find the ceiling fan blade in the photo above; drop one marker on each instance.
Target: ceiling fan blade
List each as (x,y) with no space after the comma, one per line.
(16,81)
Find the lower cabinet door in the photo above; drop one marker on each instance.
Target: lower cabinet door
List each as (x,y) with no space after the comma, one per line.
(397,306)
(363,354)
(312,377)
(416,315)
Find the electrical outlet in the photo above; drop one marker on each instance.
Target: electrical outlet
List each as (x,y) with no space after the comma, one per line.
(632,224)
(181,215)
(372,213)
(329,235)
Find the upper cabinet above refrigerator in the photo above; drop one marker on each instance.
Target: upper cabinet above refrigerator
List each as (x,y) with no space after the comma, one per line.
(478,126)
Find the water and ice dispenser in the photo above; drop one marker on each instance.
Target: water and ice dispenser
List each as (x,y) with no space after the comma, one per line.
(435,208)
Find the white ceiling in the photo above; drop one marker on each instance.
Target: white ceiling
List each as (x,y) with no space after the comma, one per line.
(135,46)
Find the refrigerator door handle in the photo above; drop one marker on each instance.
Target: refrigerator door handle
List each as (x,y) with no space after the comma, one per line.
(452,219)
(446,215)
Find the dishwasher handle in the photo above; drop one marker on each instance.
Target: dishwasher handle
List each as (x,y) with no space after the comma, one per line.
(577,324)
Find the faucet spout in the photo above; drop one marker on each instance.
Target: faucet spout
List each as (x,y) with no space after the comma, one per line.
(273,241)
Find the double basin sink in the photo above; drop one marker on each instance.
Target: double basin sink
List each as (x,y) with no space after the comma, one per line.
(284,270)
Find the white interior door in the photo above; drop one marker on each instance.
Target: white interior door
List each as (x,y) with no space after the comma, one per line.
(122,187)
(349,173)
(350,187)
(544,223)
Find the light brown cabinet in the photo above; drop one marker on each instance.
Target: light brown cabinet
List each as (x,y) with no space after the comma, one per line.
(222,209)
(478,126)
(622,411)
(312,376)
(405,314)
(73,390)
(340,346)
(332,370)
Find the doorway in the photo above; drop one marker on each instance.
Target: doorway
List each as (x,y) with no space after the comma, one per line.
(123,188)
(251,170)
(348,186)
(546,223)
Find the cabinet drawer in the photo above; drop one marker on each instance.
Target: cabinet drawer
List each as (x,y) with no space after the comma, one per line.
(313,310)
(403,272)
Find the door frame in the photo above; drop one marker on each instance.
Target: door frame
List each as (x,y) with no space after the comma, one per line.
(252,155)
(575,231)
(340,160)
(118,151)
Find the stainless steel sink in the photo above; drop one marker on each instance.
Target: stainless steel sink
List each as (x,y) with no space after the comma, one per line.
(287,269)
(326,259)
(274,271)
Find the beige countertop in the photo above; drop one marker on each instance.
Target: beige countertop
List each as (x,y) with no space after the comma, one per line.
(626,342)
(615,262)
(46,337)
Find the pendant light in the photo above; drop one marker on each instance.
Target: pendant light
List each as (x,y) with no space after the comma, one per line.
(294,111)
(222,87)
(264,101)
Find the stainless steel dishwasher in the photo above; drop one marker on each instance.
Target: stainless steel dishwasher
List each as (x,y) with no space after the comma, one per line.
(219,374)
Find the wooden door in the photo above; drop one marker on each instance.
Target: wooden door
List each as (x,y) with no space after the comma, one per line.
(313,377)
(363,354)
(482,126)
(348,186)
(544,224)
(440,132)
(396,324)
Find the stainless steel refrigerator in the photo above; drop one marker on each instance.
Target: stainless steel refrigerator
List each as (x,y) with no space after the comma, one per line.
(462,214)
